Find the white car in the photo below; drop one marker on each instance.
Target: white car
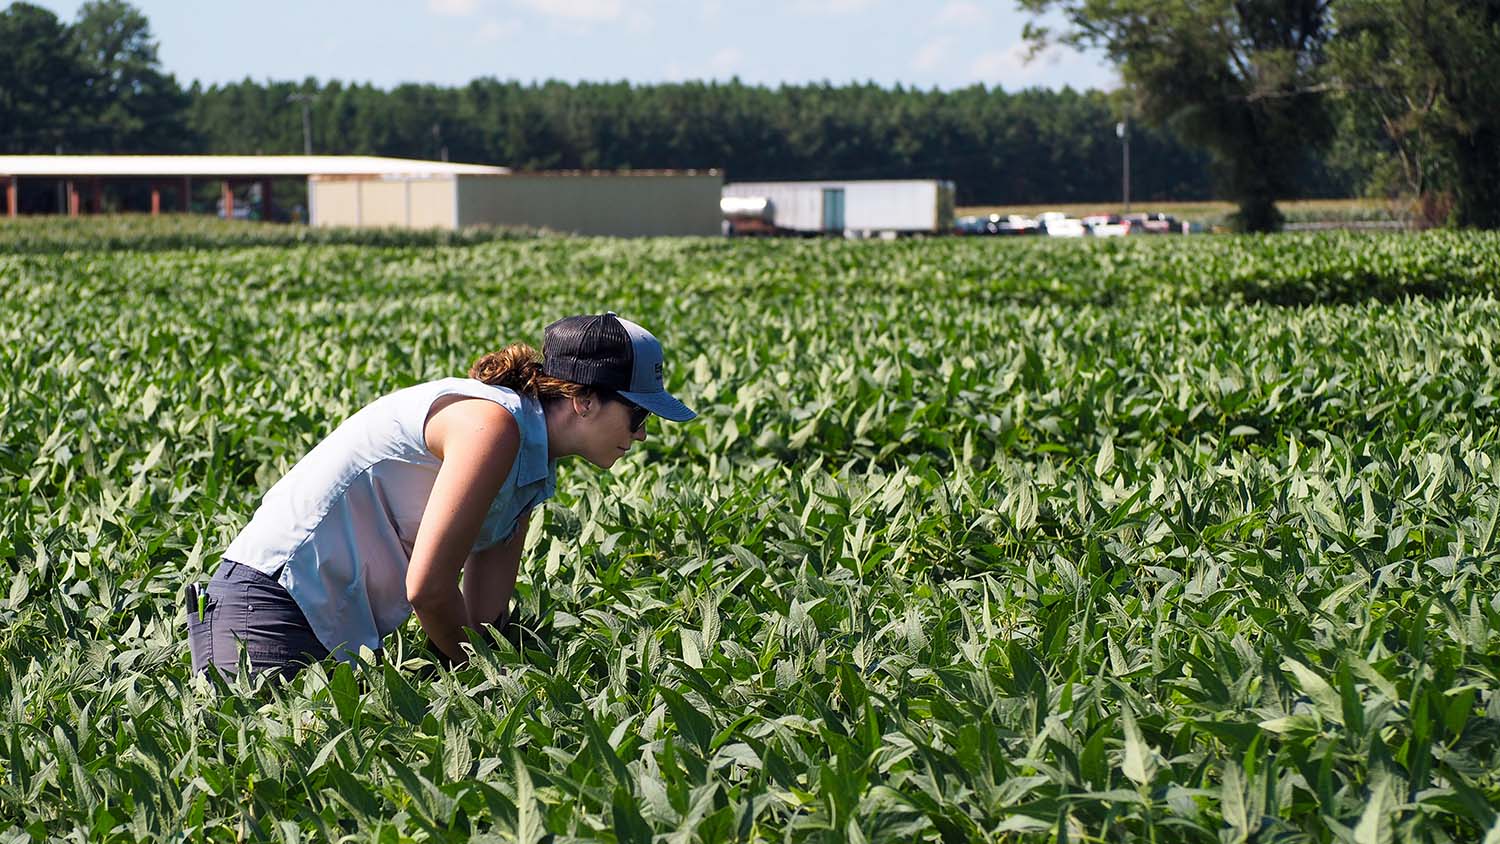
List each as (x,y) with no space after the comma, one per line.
(1111,225)
(1058,224)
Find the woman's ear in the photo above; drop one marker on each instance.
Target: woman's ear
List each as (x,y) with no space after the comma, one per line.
(583,405)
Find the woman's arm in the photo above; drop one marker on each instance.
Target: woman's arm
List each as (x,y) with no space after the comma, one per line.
(477,440)
(490,577)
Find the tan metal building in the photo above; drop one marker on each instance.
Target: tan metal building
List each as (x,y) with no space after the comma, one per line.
(617,203)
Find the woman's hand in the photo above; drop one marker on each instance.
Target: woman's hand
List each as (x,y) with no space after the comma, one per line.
(477,440)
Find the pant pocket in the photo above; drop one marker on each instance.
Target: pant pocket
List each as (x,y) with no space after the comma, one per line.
(200,625)
(225,626)
(277,635)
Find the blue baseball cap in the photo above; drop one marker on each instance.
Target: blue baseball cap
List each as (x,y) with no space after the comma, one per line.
(609,351)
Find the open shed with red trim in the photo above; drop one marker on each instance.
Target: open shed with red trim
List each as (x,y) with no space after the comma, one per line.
(82,180)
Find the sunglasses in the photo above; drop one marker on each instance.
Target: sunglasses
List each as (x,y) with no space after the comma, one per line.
(638,414)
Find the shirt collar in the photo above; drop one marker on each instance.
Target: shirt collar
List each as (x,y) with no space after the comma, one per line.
(532,463)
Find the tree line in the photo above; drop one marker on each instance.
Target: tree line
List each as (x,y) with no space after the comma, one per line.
(1032,146)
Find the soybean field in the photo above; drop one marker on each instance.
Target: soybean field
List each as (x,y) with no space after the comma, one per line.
(1154,539)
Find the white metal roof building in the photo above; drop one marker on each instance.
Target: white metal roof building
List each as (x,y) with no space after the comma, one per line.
(356,190)
(228,166)
(177,172)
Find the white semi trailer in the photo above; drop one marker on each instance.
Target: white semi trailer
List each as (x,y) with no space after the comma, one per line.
(863,208)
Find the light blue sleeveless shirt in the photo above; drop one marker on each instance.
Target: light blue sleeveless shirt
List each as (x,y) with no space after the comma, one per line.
(337,530)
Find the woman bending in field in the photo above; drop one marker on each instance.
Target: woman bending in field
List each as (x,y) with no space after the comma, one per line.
(426,484)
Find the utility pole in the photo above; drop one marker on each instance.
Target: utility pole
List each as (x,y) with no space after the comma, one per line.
(305,100)
(1122,131)
(62,198)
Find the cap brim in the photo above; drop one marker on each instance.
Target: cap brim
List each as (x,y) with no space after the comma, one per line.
(663,404)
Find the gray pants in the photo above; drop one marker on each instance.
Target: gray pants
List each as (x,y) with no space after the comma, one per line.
(245,607)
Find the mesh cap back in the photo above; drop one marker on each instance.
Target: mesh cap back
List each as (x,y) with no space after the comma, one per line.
(592,349)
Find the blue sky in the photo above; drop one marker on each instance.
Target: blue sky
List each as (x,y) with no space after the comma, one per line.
(944,44)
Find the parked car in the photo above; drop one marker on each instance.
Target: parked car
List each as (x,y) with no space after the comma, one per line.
(1154,223)
(1058,224)
(994,224)
(971,224)
(1161,224)
(1017,224)
(1111,225)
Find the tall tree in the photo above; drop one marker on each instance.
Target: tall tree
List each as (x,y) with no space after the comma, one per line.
(1427,72)
(41,77)
(1243,78)
(136,107)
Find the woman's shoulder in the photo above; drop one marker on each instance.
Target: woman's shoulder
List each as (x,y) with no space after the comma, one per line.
(471,387)
(526,409)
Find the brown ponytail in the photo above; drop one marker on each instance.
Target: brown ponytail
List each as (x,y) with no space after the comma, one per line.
(519,367)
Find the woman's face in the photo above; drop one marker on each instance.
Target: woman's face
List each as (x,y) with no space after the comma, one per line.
(604,431)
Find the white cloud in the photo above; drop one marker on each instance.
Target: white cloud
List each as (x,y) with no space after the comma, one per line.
(725,61)
(496,30)
(589,11)
(831,7)
(932,54)
(722,64)
(453,8)
(961,13)
(638,22)
(1014,66)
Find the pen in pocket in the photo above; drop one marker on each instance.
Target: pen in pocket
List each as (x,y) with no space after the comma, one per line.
(194,598)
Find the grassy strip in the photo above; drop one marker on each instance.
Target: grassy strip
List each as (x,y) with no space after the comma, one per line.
(140,232)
